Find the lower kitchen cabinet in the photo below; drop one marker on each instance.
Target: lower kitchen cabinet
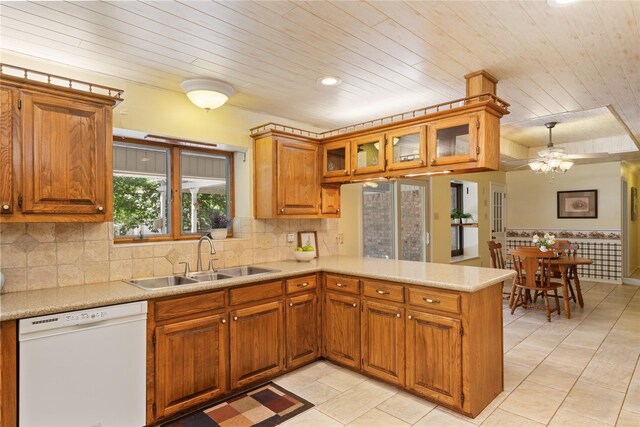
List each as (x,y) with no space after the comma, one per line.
(383,335)
(191,363)
(434,357)
(301,315)
(256,343)
(342,329)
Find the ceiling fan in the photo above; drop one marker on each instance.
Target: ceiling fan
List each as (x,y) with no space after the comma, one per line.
(553,159)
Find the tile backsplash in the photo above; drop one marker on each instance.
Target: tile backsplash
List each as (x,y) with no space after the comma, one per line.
(45,255)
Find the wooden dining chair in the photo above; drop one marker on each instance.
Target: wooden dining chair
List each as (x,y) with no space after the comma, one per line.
(497,261)
(533,274)
(566,248)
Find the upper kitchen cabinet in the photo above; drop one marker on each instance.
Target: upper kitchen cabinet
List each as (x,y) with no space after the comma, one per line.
(406,148)
(367,154)
(336,161)
(454,140)
(55,148)
(287,177)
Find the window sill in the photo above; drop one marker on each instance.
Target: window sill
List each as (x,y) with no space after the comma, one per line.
(461,258)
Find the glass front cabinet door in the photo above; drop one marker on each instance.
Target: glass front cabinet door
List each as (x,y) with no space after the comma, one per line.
(453,140)
(367,154)
(407,148)
(336,160)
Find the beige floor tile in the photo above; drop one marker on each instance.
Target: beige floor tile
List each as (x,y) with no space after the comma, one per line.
(620,352)
(526,355)
(406,407)
(315,392)
(486,412)
(502,418)
(534,401)
(354,402)
(628,419)
(632,400)
(598,403)
(438,417)
(377,418)
(571,355)
(612,376)
(555,375)
(305,375)
(311,418)
(514,374)
(586,339)
(342,380)
(568,418)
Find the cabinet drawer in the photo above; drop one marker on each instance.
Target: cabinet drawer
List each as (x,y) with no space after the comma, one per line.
(183,306)
(301,284)
(382,290)
(255,293)
(341,283)
(435,300)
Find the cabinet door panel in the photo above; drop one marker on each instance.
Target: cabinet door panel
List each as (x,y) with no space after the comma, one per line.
(367,154)
(342,329)
(7,97)
(330,200)
(190,363)
(256,343)
(434,354)
(302,329)
(298,180)
(454,140)
(336,159)
(383,341)
(407,148)
(64,156)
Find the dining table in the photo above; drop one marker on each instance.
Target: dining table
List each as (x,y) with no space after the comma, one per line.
(566,263)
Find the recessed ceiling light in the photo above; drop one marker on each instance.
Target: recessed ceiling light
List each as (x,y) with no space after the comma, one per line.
(558,3)
(330,81)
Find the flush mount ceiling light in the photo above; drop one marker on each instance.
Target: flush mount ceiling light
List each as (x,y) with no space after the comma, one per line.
(207,93)
(560,3)
(330,81)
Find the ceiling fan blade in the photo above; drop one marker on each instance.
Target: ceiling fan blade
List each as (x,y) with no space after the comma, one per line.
(585,156)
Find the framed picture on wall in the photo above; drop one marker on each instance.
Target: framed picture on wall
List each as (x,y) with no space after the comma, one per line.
(578,204)
(308,238)
(634,203)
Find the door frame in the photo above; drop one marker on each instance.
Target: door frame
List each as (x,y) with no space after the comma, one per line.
(496,187)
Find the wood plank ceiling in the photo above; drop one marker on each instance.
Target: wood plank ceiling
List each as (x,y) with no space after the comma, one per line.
(391,56)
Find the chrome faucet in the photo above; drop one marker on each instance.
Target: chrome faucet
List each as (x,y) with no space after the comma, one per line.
(213,251)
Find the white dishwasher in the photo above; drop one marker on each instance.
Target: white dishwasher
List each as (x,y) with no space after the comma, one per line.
(83,368)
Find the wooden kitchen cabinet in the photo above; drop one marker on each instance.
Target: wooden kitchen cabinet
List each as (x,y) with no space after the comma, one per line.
(368,154)
(434,357)
(454,140)
(55,147)
(301,315)
(256,343)
(330,196)
(191,363)
(383,334)
(336,161)
(342,329)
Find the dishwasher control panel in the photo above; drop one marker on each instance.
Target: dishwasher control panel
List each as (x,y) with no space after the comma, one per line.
(81,317)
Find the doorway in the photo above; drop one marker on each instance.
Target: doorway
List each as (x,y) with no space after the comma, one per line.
(498,211)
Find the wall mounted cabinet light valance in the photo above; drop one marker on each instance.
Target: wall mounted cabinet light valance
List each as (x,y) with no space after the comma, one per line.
(207,93)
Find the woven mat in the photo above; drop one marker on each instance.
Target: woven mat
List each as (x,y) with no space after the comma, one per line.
(265,406)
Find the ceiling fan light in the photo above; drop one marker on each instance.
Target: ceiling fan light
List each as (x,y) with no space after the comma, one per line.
(207,93)
(536,166)
(554,162)
(566,165)
(545,168)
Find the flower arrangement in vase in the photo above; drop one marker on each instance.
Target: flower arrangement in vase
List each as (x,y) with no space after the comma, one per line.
(545,242)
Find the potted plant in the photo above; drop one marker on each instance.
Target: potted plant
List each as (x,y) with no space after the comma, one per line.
(467,218)
(219,224)
(456,216)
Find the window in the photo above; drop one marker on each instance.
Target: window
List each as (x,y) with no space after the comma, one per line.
(164,191)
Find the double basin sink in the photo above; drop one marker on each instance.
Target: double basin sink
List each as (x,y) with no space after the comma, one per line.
(200,276)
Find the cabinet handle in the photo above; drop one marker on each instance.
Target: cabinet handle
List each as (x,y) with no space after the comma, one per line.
(398,315)
(433,161)
(354,304)
(383,292)
(100,208)
(303,285)
(410,317)
(235,317)
(290,304)
(281,210)
(223,321)
(340,285)
(421,162)
(431,301)
(353,170)
(346,172)
(5,207)
(338,210)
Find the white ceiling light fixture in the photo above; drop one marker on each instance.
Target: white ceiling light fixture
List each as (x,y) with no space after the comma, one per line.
(560,3)
(207,93)
(330,81)
(551,160)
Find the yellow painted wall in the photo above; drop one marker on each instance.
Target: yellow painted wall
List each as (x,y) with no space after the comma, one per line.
(350,223)
(632,176)
(441,215)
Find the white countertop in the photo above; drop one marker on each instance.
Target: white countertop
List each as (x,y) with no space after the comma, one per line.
(18,305)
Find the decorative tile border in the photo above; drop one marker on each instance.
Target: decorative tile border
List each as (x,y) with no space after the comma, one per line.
(567,234)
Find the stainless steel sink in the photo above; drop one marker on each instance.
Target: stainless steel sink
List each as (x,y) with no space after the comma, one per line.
(246,270)
(207,276)
(161,282)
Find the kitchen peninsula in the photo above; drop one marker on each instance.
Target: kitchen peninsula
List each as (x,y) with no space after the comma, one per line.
(433,329)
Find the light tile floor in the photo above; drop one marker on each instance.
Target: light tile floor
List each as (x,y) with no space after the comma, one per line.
(578,372)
